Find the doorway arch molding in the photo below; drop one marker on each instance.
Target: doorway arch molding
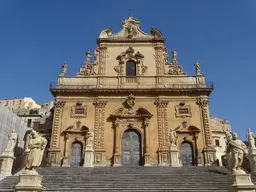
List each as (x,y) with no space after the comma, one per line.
(126,118)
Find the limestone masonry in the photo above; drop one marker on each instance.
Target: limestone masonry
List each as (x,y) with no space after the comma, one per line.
(131,96)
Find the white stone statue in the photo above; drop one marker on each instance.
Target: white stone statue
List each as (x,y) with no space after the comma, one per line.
(12,140)
(37,145)
(236,147)
(173,137)
(89,138)
(251,139)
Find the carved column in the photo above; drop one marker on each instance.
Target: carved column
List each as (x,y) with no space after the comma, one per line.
(209,151)
(147,148)
(162,124)
(99,128)
(65,161)
(54,151)
(117,155)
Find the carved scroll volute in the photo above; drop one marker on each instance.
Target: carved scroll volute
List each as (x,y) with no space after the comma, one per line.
(118,123)
(146,122)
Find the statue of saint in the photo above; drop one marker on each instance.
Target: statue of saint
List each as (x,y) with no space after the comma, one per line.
(173,137)
(236,147)
(64,68)
(89,138)
(197,67)
(37,145)
(12,140)
(88,57)
(251,139)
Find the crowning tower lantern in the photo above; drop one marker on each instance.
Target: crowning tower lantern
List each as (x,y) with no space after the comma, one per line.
(130,95)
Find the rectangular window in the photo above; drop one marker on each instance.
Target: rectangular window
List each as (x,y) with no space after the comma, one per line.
(217,142)
(79,110)
(183,110)
(29,123)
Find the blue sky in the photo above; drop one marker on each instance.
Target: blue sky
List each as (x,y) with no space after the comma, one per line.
(36,37)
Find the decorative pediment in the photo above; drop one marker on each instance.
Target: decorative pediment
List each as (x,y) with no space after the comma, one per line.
(77,128)
(130,30)
(185,128)
(174,67)
(129,110)
(130,54)
(89,68)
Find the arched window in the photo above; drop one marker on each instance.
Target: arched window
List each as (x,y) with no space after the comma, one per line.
(130,68)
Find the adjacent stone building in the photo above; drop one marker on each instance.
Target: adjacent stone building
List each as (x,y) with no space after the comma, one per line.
(131,96)
(20,103)
(219,127)
(10,121)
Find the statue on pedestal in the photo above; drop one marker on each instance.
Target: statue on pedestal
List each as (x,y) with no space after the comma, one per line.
(173,137)
(12,140)
(89,139)
(236,147)
(251,139)
(37,145)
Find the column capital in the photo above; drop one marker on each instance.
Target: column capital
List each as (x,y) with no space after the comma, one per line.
(59,104)
(202,101)
(99,103)
(161,103)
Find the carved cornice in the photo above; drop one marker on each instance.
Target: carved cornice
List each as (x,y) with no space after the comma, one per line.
(59,104)
(100,103)
(161,103)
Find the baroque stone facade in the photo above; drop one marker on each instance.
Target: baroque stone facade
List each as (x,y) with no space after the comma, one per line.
(130,96)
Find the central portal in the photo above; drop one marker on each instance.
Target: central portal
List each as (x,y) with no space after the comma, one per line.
(131,148)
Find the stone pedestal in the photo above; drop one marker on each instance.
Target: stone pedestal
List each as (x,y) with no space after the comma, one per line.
(6,163)
(65,162)
(239,181)
(209,155)
(147,160)
(174,156)
(88,157)
(30,181)
(252,160)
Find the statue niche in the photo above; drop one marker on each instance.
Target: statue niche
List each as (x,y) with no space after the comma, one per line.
(126,58)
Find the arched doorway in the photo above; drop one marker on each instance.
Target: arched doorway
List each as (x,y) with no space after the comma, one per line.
(187,154)
(75,158)
(131,148)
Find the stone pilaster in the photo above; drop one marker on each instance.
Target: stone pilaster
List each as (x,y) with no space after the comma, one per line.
(117,155)
(209,151)
(162,124)
(99,128)
(147,147)
(102,59)
(159,50)
(65,160)
(54,151)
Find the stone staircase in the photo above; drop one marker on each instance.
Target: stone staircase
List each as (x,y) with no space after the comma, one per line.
(118,179)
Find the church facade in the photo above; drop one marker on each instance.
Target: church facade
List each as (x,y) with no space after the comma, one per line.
(131,96)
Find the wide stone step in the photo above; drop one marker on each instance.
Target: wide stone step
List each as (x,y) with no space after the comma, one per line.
(184,179)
